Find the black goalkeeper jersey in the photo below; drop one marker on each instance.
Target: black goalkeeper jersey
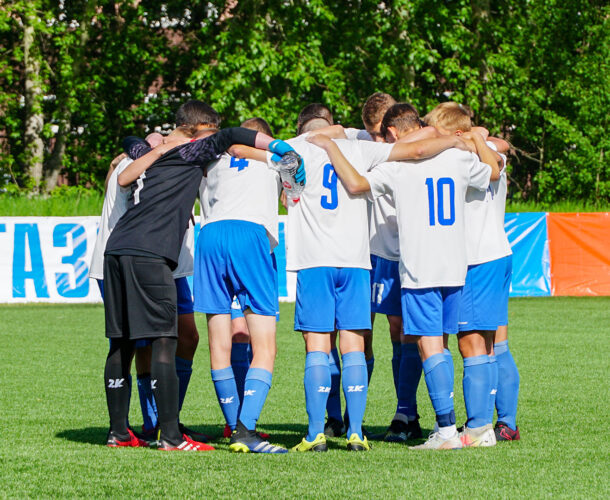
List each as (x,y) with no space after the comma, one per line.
(161,200)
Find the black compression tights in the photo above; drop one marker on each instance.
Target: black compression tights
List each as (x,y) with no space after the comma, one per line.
(165,387)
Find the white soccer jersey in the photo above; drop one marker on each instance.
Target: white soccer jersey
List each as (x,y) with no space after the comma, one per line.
(240,189)
(383,231)
(328,227)
(430,197)
(485,236)
(115,205)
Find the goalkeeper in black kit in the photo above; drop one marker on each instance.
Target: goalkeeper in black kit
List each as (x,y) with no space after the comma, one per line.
(140,255)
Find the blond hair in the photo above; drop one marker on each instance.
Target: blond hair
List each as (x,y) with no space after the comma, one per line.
(451,116)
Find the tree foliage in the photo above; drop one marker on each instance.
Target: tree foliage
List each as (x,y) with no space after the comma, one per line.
(534,71)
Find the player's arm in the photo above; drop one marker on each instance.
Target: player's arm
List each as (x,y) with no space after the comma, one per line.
(426,148)
(332,131)
(486,154)
(352,180)
(136,168)
(243,151)
(501,145)
(113,165)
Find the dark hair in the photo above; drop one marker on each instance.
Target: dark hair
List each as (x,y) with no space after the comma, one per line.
(259,125)
(311,112)
(375,107)
(401,115)
(193,113)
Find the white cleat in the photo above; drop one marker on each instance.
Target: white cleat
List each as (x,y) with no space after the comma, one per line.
(436,442)
(483,436)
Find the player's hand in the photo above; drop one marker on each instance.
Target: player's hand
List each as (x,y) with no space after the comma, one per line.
(279,148)
(466,144)
(319,140)
(300,175)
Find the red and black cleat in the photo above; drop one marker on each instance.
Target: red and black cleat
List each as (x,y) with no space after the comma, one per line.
(193,434)
(226,433)
(113,441)
(505,433)
(186,445)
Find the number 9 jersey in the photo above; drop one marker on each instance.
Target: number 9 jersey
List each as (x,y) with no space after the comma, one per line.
(430,197)
(328,227)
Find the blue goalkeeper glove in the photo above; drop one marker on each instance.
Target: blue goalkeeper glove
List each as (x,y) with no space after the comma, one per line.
(279,148)
(299,175)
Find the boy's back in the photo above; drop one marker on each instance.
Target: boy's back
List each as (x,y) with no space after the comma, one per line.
(429,197)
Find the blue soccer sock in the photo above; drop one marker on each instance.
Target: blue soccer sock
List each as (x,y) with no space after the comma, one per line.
(370,366)
(226,392)
(355,388)
(507,395)
(477,386)
(317,386)
(240,362)
(449,359)
(410,374)
(256,388)
(333,404)
(491,405)
(184,370)
(396,355)
(147,402)
(439,381)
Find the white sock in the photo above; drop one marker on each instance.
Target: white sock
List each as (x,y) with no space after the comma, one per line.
(447,432)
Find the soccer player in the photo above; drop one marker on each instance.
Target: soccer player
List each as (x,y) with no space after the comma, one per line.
(235,258)
(191,116)
(140,255)
(429,197)
(328,246)
(483,308)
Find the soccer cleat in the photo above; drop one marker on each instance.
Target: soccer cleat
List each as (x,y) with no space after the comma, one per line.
(318,444)
(478,437)
(334,428)
(151,436)
(113,441)
(226,433)
(354,443)
(194,435)
(504,433)
(401,431)
(187,444)
(436,442)
(414,429)
(247,441)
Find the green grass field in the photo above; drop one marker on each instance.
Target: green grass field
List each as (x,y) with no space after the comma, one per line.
(54,419)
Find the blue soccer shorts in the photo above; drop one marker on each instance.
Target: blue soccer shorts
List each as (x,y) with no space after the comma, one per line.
(508,276)
(430,311)
(233,259)
(385,291)
(482,306)
(236,311)
(185,297)
(330,298)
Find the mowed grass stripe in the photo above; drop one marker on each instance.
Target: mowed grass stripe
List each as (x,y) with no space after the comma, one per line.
(55,421)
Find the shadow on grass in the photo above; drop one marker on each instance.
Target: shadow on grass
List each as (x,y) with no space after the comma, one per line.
(88,435)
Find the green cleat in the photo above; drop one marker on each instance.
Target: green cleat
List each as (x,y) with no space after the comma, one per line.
(318,444)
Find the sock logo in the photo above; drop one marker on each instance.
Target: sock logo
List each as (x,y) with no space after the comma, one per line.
(355,388)
(115,383)
(153,384)
(323,389)
(451,395)
(227,401)
(493,392)
(249,392)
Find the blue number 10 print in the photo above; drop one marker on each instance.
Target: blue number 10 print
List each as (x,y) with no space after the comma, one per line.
(437,210)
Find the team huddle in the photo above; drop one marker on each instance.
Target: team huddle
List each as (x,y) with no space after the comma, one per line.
(404,218)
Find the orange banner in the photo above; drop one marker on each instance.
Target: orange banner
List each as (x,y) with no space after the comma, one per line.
(579,246)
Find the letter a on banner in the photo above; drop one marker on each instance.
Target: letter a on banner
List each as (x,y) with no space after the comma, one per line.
(28,232)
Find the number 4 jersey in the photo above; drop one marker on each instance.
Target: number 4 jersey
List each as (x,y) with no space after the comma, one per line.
(430,198)
(328,227)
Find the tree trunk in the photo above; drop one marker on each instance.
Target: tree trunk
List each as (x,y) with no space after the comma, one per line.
(34,118)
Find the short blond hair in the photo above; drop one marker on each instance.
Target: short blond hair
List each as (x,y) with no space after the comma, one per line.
(451,116)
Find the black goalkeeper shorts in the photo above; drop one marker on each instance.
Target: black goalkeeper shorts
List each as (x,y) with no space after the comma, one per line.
(139,297)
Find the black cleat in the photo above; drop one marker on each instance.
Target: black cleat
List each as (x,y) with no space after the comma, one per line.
(505,433)
(334,428)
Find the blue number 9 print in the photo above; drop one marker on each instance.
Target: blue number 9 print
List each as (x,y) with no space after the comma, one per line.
(329,181)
